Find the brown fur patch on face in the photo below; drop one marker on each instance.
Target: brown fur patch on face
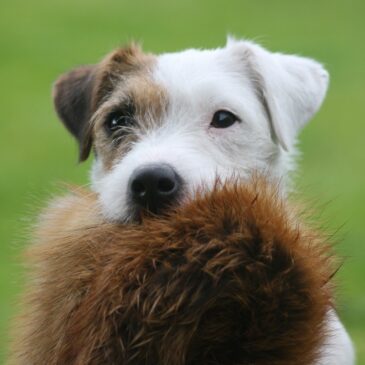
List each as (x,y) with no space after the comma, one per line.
(137,90)
(118,65)
(124,75)
(230,278)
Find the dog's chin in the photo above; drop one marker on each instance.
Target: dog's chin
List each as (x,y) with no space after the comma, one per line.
(137,215)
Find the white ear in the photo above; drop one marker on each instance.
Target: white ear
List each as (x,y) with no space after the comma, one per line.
(291,87)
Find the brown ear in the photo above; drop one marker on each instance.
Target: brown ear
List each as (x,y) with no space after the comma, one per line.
(73,98)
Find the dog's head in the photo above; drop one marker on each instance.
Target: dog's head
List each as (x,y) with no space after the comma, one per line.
(160,126)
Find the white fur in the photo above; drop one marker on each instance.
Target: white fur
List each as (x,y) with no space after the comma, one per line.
(200,82)
(295,89)
(338,349)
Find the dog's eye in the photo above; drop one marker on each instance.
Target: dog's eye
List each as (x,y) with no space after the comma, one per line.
(117,121)
(223,119)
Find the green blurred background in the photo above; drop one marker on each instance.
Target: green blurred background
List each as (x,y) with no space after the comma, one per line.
(39,40)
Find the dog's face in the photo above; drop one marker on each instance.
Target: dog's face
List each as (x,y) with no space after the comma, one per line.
(161,126)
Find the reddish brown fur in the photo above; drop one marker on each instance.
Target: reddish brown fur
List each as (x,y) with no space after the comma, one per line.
(230,279)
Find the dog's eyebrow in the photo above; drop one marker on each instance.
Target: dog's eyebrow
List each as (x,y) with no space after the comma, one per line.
(126,107)
(116,103)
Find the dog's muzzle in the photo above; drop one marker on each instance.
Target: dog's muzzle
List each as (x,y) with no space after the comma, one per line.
(154,188)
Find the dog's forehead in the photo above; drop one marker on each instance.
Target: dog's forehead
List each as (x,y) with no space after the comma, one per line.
(190,83)
(198,81)
(192,67)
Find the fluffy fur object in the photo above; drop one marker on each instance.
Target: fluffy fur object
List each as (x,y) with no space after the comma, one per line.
(231,278)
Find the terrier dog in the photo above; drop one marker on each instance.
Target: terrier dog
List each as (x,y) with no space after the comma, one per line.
(162,126)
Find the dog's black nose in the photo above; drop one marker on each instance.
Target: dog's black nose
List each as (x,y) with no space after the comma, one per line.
(154,187)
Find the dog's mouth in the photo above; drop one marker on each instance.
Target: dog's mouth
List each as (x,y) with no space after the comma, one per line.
(155,209)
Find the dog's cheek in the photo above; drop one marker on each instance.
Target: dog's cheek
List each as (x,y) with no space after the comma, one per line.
(111,188)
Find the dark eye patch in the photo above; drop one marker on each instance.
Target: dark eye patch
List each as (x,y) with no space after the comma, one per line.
(120,120)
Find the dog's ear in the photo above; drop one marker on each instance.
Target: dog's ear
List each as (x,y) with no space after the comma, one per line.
(291,88)
(72,95)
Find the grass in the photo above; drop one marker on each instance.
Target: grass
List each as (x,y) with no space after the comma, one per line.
(39,40)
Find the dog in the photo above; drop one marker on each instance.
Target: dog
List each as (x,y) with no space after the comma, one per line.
(162,126)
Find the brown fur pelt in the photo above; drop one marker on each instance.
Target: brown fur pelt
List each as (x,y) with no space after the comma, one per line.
(231,278)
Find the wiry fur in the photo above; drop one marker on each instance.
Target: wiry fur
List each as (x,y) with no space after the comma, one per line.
(231,278)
